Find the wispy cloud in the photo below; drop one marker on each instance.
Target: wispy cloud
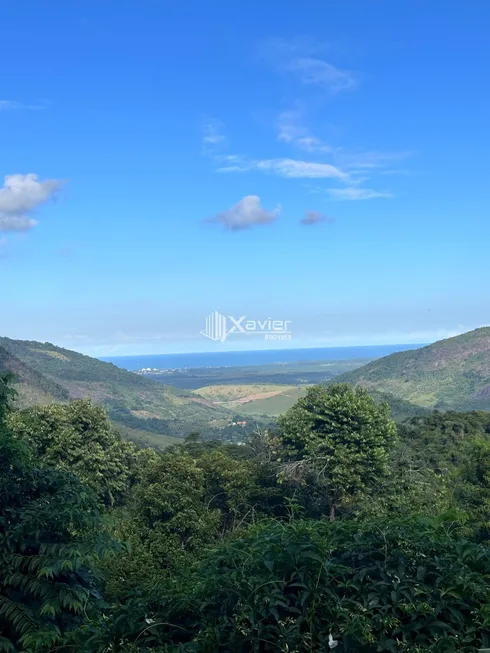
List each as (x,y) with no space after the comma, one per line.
(301,58)
(300,169)
(370,160)
(290,168)
(20,196)
(213,136)
(311,218)
(290,129)
(341,166)
(277,50)
(355,193)
(320,73)
(404,173)
(357,167)
(9,105)
(246,213)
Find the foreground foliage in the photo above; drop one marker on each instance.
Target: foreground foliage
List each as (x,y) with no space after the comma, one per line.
(291,543)
(50,541)
(404,586)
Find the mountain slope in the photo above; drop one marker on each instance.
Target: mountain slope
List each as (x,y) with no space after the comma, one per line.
(46,374)
(452,373)
(33,387)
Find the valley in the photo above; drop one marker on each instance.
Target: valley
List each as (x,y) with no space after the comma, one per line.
(160,407)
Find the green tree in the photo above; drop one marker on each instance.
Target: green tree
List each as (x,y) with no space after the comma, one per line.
(341,437)
(79,437)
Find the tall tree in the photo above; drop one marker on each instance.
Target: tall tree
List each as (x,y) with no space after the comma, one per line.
(341,436)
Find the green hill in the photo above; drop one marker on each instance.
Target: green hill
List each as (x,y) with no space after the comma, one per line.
(46,374)
(449,374)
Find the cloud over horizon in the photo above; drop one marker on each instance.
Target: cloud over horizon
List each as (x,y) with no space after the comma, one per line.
(20,196)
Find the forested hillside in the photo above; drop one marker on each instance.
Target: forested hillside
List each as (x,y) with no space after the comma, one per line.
(45,374)
(449,374)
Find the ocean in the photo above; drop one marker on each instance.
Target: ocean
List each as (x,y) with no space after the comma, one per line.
(260,357)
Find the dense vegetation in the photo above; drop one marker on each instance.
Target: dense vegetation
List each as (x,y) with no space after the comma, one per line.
(337,530)
(449,374)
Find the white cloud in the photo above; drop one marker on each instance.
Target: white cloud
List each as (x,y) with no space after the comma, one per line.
(314,217)
(246,213)
(355,193)
(20,196)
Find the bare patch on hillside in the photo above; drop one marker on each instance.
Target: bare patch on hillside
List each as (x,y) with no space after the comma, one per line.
(53,354)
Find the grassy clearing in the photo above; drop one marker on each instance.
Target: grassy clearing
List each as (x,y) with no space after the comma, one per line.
(237,394)
(276,405)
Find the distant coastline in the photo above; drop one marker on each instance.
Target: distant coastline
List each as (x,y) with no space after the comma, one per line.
(259,357)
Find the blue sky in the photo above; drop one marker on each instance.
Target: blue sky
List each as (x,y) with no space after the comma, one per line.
(319,162)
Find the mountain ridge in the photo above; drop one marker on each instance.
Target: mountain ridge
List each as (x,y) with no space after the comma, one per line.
(45,373)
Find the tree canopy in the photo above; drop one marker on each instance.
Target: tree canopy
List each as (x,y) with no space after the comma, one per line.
(80,438)
(341,435)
